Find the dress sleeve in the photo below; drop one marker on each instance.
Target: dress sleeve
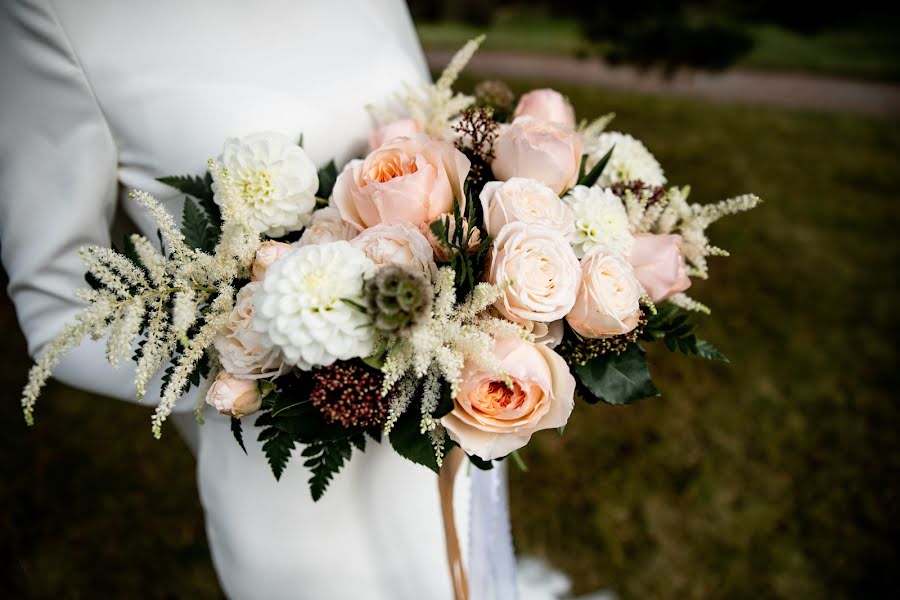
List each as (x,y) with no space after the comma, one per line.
(58,189)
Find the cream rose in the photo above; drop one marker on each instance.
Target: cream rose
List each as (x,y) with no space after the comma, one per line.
(538,150)
(241,349)
(546,105)
(525,200)
(407,180)
(327,226)
(490,420)
(394,129)
(659,265)
(609,298)
(234,397)
(541,269)
(265,256)
(400,244)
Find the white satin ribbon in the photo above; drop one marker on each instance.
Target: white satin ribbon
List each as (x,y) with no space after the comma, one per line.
(491,559)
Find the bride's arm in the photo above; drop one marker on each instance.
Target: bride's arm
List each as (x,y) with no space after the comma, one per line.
(58,189)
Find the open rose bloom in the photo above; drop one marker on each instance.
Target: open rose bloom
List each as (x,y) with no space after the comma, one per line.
(448,288)
(490,419)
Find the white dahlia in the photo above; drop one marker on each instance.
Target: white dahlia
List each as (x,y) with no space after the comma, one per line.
(600,220)
(300,308)
(271,182)
(630,160)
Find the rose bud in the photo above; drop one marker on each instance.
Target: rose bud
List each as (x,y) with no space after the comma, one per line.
(265,256)
(234,397)
(540,150)
(659,265)
(546,105)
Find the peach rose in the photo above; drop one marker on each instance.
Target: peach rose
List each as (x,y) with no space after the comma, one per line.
(399,244)
(525,200)
(240,347)
(538,150)
(234,397)
(546,105)
(265,256)
(394,129)
(327,226)
(609,298)
(659,265)
(407,180)
(490,420)
(541,269)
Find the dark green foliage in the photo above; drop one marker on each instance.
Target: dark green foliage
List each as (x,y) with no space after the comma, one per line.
(277,446)
(468,262)
(445,404)
(327,176)
(410,443)
(325,459)
(591,177)
(484,465)
(238,432)
(197,230)
(616,378)
(201,189)
(672,325)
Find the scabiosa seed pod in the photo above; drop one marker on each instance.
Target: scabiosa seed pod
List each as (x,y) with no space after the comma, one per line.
(398,299)
(494,93)
(349,393)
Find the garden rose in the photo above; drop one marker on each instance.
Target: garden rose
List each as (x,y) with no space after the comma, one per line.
(525,200)
(394,129)
(240,347)
(546,105)
(541,269)
(659,265)
(538,150)
(407,180)
(490,420)
(400,244)
(608,300)
(265,256)
(234,397)
(327,226)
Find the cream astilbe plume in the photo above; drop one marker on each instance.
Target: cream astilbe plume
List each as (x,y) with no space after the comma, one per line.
(163,296)
(435,106)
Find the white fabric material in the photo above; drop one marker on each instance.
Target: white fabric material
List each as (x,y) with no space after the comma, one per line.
(101,97)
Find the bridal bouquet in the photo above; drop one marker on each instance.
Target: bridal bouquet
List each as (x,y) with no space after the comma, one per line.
(485,264)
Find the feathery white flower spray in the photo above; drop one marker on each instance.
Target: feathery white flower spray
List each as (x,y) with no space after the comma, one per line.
(594,128)
(435,106)
(440,346)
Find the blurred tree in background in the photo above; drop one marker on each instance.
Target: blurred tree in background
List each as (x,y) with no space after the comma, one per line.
(710,34)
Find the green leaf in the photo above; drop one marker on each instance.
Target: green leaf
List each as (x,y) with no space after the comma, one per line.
(617,378)
(594,174)
(706,350)
(410,443)
(198,187)
(445,402)
(327,176)
(238,433)
(324,460)
(277,447)
(195,227)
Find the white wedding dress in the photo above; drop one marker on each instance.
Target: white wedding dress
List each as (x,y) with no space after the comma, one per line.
(98,98)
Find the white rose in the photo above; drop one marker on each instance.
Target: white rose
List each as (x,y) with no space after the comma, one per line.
(608,300)
(268,180)
(326,226)
(525,200)
(300,308)
(241,349)
(542,271)
(400,244)
(600,221)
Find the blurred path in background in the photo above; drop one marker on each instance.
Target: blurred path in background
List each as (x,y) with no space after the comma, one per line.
(792,90)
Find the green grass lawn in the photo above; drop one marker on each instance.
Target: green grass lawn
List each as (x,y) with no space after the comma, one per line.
(777,476)
(871,51)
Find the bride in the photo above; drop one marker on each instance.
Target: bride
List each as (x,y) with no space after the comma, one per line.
(99,98)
